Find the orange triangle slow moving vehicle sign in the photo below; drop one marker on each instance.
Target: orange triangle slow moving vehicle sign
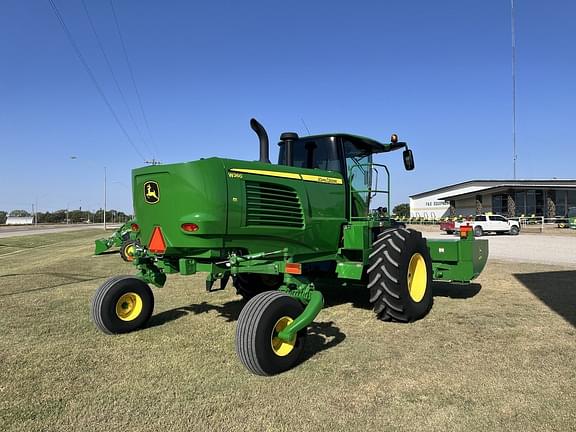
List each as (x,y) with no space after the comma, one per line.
(157,243)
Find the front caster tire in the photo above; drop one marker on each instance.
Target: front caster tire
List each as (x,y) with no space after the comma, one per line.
(400,276)
(257,345)
(122,304)
(250,284)
(127,250)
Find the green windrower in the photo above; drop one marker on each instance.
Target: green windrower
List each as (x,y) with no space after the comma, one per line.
(281,233)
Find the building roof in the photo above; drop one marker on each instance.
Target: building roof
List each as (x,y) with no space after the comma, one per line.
(500,188)
(493,184)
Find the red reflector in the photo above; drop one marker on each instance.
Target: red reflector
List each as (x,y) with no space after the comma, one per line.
(464,230)
(157,243)
(190,227)
(134,227)
(293,268)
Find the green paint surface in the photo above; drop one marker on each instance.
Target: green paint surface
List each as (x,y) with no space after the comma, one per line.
(241,212)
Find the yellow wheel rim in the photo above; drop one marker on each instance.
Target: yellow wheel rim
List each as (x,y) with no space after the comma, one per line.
(417,277)
(129,252)
(129,306)
(282,348)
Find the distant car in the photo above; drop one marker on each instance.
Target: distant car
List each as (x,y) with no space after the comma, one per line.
(491,223)
(449,226)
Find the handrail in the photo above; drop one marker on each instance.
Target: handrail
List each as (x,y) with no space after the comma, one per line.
(532,220)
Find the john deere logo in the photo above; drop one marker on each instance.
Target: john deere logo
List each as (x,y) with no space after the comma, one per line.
(151,192)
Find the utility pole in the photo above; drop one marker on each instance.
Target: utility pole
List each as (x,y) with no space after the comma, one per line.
(35,213)
(513,18)
(104,198)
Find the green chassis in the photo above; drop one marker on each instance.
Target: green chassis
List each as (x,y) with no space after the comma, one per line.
(452,260)
(233,244)
(116,238)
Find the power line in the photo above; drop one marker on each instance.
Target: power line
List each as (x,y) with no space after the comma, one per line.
(132,75)
(305,125)
(109,64)
(92,76)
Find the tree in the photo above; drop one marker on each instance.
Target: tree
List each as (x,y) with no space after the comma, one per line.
(58,216)
(79,216)
(19,213)
(74,216)
(402,210)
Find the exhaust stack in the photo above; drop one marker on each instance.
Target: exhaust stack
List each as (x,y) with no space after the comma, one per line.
(263,137)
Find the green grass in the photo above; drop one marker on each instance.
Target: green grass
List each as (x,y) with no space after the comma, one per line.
(497,355)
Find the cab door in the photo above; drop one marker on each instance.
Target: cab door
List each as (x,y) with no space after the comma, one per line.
(359,175)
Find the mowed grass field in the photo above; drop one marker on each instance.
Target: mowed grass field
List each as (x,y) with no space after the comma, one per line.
(499,354)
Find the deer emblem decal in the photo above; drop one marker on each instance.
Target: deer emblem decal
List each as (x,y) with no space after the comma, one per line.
(151,192)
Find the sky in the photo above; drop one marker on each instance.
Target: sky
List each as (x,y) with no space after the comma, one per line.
(436,73)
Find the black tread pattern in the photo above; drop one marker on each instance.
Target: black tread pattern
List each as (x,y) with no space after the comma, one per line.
(96,306)
(245,331)
(387,268)
(248,321)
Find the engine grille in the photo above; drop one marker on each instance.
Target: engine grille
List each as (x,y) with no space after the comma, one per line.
(270,204)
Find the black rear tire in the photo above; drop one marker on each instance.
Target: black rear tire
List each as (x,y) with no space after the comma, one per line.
(478,231)
(250,284)
(400,276)
(259,351)
(122,304)
(514,230)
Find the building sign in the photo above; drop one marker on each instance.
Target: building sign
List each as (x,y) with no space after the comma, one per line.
(436,203)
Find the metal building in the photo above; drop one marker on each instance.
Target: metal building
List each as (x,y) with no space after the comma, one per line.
(19,220)
(512,198)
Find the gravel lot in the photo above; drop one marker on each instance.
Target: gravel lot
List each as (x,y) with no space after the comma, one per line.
(525,247)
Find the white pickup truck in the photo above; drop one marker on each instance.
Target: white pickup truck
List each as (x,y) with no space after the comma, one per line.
(490,223)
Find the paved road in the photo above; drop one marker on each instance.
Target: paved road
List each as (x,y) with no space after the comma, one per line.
(535,248)
(17,231)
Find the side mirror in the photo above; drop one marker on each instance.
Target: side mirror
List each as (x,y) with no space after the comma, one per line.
(408,159)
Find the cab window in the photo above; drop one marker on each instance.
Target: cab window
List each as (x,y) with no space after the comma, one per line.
(321,153)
